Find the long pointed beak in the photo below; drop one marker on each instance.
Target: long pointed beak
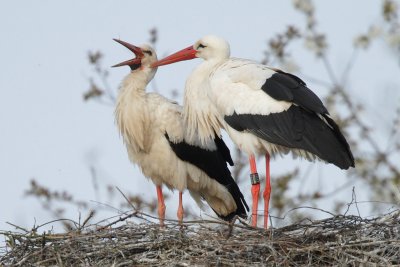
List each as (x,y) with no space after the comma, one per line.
(128,62)
(136,50)
(184,54)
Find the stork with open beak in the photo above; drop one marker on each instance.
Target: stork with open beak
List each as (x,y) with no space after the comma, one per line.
(264,110)
(154,134)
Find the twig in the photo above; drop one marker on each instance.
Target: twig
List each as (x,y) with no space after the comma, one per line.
(18,227)
(121,219)
(127,200)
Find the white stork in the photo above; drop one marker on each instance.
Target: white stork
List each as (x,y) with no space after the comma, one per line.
(264,110)
(154,133)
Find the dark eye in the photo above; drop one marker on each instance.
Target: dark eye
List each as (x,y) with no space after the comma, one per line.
(201,46)
(148,52)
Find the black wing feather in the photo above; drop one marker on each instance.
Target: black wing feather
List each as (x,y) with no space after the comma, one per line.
(223,149)
(288,87)
(213,163)
(298,128)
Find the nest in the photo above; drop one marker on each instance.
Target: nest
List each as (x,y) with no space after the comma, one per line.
(339,240)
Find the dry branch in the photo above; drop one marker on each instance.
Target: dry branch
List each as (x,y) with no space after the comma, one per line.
(339,240)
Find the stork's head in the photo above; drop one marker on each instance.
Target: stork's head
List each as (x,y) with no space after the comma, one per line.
(145,55)
(210,47)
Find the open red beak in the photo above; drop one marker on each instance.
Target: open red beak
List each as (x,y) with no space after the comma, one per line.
(136,50)
(184,54)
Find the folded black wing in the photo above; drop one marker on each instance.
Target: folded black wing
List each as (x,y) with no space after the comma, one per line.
(213,163)
(298,128)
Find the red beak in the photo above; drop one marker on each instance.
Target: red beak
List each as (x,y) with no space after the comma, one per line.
(136,50)
(184,54)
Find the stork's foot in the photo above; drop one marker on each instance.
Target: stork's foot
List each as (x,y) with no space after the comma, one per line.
(180,209)
(255,192)
(267,191)
(161,205)
(180,215)
(266,196)
(161,213)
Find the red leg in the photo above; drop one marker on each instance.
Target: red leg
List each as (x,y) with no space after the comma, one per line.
(267,191)
(255,190)
(161,205)
(180,209)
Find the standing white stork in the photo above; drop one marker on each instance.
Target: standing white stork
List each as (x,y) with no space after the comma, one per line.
(154,133)
(264,110)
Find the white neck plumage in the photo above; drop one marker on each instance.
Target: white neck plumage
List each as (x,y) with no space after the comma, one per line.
(200,117)
(131,113)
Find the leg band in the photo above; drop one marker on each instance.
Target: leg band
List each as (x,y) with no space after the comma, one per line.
(254,178)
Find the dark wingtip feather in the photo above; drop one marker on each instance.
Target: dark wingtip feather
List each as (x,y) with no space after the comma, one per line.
(242,207)
(223,149)
(347,159)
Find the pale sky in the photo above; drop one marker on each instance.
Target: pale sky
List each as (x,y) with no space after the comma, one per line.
(49,133)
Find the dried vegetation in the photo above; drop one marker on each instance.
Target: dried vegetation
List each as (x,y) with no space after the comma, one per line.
(338,240)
